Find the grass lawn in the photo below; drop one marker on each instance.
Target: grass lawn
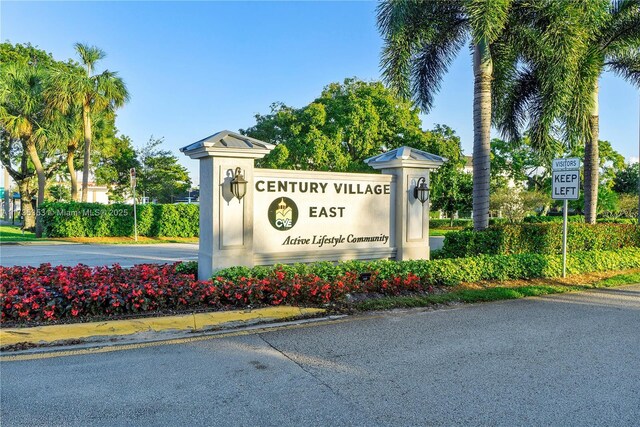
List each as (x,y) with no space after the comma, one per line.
(127,240)
(514,289)
(11,233)
(434,232)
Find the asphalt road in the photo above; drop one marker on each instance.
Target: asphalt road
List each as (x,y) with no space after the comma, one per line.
(564,360)
(95,255)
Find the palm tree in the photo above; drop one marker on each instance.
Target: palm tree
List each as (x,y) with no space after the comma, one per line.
(614,46)
(91,93)
(421,39)
(68,127)
(606,37)
(22,118)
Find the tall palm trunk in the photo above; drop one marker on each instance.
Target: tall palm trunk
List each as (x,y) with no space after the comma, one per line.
(71,148)
(483,72)
(33,155)
(86,121)
(26,209)
(592,163)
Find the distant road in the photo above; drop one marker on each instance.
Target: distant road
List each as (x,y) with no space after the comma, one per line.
(94,255)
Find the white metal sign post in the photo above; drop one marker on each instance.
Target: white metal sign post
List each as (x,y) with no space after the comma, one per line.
(132,173)
(565,186)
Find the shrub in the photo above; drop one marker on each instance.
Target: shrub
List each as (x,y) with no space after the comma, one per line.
(462,222)
(49,293)
(75,219)
(539,238)
(552,218)
(617,220)
(447,271)
(187,267)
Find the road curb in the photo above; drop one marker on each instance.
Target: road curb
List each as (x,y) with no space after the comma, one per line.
(121,328)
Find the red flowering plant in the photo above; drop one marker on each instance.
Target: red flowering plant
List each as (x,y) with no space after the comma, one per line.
(47,293)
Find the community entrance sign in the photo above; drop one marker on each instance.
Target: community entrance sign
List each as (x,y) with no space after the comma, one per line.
(251,216)
(321,216)
(565,186)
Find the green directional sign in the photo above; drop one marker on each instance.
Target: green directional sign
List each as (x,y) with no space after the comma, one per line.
(1,192)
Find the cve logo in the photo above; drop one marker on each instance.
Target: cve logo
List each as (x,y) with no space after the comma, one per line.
(283,213)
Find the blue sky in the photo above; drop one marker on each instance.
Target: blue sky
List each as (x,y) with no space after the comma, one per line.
(194,68)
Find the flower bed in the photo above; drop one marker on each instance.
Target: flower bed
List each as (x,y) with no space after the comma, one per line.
(46,293)
(49,293)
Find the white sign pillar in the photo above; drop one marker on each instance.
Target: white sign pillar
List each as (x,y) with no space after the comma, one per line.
(226,223)
(410,224)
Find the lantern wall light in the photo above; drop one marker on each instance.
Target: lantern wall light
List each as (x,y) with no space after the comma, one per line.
(238,184)
(421,190)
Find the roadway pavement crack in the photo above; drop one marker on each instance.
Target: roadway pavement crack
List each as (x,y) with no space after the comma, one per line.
(301,366)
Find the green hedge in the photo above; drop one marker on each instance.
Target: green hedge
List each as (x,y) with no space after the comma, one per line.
(461,222)
(450,272)
(618,220)
(577,218)
(552,218)
(72,219)
(539,238)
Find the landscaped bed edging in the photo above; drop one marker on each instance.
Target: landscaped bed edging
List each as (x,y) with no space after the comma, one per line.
(81,293)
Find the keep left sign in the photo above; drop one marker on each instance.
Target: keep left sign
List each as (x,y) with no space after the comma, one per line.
(566,185)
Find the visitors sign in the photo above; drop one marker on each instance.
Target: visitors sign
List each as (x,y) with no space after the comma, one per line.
(569,164)
(565,186)
(566,179)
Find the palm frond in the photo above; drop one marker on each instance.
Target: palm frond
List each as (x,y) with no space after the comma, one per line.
(512,112)
(89,55)
(487,18)
(622,30)
(626,65)
(111,90)
(432,60)
(420,40)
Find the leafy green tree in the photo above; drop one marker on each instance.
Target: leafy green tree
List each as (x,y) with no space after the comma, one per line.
(26,119)
(346,124)
(15,159)
(451,190)
(23,122)
(626,180)
(160,177)
(114,161)
(91,93)
(22,118)
(610,162)
(627,205)
(451,187)
(518,161)
(514,203)
(59,193)
(24,54)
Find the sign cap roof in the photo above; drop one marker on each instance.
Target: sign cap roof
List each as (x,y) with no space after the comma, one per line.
(227,144)
(405,157)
